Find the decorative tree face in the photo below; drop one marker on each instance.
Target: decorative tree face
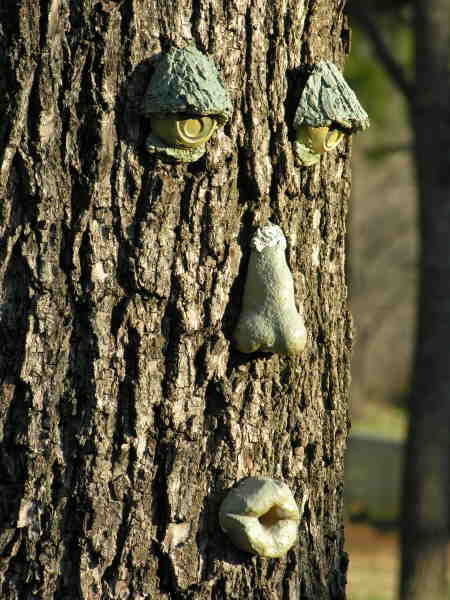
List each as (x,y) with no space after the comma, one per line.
(185,102)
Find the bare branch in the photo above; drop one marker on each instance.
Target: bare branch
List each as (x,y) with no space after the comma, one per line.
(392,66)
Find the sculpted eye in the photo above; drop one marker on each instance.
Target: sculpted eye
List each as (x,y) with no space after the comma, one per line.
(184,131)
(319,139)
(328,110)
(196,130)
(332,139)
(185,102)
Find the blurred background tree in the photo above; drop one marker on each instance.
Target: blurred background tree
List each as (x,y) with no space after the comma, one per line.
(411,41)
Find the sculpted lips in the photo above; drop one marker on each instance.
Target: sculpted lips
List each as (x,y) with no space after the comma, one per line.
(260,516)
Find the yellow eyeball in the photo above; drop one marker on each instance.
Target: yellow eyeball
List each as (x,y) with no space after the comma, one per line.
(319,139)
(333,138)
(183,131)
(196,130)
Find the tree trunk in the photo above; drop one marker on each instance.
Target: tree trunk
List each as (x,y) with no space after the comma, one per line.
(426,497)
(126,412)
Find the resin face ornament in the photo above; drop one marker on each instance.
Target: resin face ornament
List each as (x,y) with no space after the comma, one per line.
(269,320)
(185,102)
(260,516)
(328,111)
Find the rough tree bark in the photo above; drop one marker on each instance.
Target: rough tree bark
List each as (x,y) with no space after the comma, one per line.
(126,413)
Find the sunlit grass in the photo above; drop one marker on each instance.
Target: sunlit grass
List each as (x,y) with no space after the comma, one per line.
(383,420)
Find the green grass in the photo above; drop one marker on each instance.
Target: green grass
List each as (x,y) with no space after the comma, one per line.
(382,420)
